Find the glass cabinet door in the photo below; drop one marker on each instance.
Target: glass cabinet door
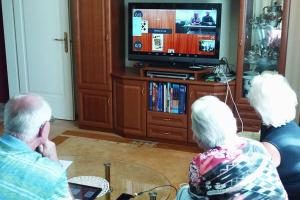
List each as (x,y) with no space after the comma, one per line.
(264,46)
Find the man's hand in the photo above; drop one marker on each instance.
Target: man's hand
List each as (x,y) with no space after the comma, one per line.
(48,149)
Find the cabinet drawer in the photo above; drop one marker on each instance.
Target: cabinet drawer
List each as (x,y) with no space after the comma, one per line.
(165,132)
(167,119)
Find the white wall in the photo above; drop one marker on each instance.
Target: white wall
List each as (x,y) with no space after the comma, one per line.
(229,26)
(293,52)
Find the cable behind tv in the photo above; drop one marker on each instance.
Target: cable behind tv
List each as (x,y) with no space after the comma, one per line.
(228,90)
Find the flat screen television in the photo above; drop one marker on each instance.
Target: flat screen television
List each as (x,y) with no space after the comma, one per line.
(174,32)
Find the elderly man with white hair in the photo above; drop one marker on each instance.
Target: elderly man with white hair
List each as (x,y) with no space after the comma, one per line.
(29,167)
(231,167)
(275,101)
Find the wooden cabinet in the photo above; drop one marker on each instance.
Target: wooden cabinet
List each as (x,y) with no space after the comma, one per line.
(162,125)
(133,118)
(121,106)
(92,64)
(130,104)
(98,32)
(95,108)
(262,46)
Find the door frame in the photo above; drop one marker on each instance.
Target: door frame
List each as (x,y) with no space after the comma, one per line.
(11,48)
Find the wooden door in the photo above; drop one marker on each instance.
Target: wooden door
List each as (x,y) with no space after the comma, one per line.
(130,107)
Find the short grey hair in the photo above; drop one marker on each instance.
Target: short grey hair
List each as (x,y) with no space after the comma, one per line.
(213,123)
(24,115)
(273,98)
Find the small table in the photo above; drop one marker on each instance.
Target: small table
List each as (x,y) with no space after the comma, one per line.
(125,177)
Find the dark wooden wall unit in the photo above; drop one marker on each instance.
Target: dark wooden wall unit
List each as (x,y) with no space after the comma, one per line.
(113,97)
(3,67)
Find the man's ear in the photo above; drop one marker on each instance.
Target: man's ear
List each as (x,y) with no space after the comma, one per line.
(44,132)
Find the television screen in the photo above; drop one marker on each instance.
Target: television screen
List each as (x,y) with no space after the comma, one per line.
(174,32)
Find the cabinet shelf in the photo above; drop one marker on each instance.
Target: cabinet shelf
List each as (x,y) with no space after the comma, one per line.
(192,75)
(167,97)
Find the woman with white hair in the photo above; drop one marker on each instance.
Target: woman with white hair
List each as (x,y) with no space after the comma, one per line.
(230,167)
(273,98)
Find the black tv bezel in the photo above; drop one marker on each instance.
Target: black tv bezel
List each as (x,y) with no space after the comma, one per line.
(169,58)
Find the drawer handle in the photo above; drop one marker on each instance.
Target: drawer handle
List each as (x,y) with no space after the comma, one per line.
(167,119)
(166,133)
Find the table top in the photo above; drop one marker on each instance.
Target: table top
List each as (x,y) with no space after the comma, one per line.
(125,177)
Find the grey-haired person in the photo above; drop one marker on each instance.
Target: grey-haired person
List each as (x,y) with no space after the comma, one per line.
(275,101)
(231,167)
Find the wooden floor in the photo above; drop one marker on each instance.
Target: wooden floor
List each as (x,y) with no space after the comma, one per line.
(164,163)
(146,164)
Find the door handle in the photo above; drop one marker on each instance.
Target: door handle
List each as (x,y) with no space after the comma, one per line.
(143,91)
(65,40)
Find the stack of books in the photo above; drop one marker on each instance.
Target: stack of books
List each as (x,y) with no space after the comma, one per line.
(167,97)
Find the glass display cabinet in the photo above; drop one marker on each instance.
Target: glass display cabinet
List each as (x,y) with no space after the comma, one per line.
(262,45)
(263,39)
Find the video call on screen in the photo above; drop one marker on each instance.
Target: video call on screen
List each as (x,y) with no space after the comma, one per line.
(180,32)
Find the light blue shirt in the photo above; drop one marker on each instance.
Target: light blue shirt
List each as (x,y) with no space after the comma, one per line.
(25,174)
